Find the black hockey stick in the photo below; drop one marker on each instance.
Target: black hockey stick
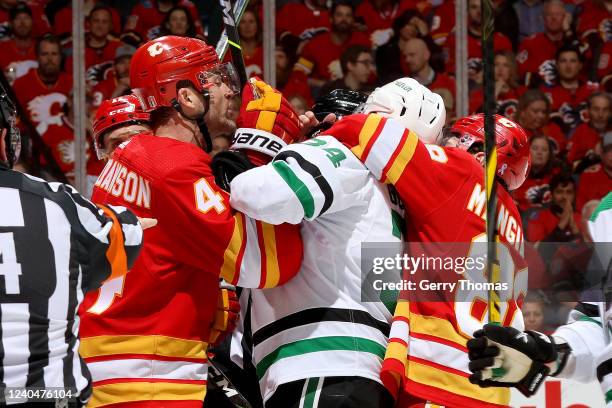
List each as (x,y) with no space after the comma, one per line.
(493,267)
(233,40)
(218,380)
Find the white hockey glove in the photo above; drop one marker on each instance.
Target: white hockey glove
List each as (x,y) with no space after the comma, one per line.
(505,357)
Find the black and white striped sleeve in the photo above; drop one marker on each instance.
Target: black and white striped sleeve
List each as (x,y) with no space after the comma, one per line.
(111,241)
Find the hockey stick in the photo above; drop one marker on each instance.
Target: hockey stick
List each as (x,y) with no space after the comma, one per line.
(490,148)
(222,44)
(217,379)
(233,40)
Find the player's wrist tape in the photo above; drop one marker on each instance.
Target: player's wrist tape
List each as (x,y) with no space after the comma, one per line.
(257,140)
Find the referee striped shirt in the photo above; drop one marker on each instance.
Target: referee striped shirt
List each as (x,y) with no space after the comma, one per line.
(54,246)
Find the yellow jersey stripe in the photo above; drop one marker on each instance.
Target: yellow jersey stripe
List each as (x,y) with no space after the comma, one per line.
(435,326)
(403,158)
(272,268)
(145,391)
(228,269)
(131,344)
(367,131)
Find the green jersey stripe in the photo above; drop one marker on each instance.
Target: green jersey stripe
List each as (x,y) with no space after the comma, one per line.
(311,390)
(298,187)
(605,204)
(608,396)
(330,343)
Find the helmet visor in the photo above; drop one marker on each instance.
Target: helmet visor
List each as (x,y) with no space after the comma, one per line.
(223,74)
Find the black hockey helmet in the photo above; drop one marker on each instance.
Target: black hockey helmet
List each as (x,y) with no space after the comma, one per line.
(340,102)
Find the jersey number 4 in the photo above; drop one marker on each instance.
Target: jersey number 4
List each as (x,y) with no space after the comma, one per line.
(9,268)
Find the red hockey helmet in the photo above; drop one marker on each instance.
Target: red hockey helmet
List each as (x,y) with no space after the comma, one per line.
(513,154)
(115,112)
(162,66)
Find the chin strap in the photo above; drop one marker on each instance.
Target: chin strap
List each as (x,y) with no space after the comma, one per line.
(199,121)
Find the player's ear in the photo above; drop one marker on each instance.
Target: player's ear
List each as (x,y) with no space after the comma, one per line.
(187,98)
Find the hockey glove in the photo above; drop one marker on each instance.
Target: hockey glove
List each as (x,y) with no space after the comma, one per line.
(228,164)
(226,316)
(505,357)
(266,124)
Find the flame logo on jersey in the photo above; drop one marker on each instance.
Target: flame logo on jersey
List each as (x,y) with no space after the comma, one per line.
(548,72)
(99,72)
(46,110)
(66,151)
(538,195)
(22,67)
(334,69)
(572,116)
(507,107)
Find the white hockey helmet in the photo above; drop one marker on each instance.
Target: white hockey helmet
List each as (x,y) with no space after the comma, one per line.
(419,109)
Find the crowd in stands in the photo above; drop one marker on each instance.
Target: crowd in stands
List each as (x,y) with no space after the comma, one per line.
(553,75)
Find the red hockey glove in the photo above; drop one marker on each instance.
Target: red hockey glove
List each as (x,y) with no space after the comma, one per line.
(266,124)
(226,316)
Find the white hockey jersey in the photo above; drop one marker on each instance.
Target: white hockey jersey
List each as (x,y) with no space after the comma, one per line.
(316,324)
(584,333)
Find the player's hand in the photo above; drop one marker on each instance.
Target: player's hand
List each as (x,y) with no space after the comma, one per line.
(226,315)
(505,357)
(267,113)
(147,222)
(308,121)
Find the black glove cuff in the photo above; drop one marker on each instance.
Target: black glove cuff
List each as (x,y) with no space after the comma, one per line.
(563,353)
(227,165)
(534,378)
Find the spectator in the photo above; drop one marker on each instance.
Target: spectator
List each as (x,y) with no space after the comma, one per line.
(251,42)
(595,21)
(43,91)
(19,55)
(529,14)
(533,313)
(596,181)
(147,16)
(377,17)
(117,83)
(533,114)
(314,19)
(390,62)
(178,21)
(534,193)
(443,22)
(40,24)
(603,63)
(62,19)
(299,104)
(358,68)
(507,88)
(288,84)
(100,46)
(417,56)
(569,97)
(500,43)
(320,59)
(589,134)
(560,222)
(536,55)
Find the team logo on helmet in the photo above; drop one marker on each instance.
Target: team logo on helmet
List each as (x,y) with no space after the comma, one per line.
(155,49)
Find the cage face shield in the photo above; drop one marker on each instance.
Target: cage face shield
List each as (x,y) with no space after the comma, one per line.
(9,122)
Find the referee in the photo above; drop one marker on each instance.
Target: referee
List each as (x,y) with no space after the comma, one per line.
(54,246)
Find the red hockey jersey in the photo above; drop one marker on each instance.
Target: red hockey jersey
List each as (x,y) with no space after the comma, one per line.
(554,134)
(536,59)
(146,18)
(379,22)
(443,22)
(43,103)
(595,20)
(583,142)
(569,107)
(436,185)
(594,184)
(21,59)
(311,21)
(144,336)
(321,56)
(535,191)
(40,23)
(62,21)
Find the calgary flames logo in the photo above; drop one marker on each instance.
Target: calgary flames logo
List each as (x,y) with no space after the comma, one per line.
(548,72)
(46,110)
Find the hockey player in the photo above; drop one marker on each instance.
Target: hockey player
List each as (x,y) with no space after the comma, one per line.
(316,343)
(145,336)
(117,120)
(443,192)
(580,350)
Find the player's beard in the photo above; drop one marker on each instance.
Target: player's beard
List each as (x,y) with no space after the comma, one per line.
(219,119)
